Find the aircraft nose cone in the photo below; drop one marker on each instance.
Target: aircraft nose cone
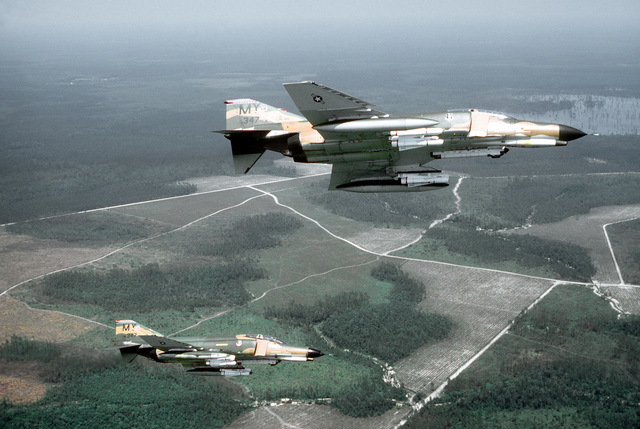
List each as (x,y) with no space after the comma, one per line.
(569,133)
(313,353)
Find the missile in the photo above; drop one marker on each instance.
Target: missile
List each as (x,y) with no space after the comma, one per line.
(468,153)
(416,138)
(421,179)
(377,124)
(406,143)
(535,142)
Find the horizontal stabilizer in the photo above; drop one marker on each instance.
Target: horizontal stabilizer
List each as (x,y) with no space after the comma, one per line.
(129,353)
(248,146)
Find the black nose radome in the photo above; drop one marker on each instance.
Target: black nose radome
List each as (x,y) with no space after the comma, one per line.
(313,353)
(569,133)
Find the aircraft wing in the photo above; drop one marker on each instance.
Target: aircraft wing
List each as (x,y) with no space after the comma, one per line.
(381,176)
(321,104)
(165,344)
(344,173)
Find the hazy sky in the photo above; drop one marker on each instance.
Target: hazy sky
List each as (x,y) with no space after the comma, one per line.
(288,20)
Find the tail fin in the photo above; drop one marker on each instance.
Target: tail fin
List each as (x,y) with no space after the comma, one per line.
(249,114)
(128,341)
(128,330)
(253,127)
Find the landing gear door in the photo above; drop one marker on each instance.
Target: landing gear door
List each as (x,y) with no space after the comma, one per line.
(479,124)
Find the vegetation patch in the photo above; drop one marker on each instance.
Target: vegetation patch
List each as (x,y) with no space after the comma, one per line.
(57,362)
(18,349)
(341,376)
(544,199)
(93,228)
(93,390)
(389,331)
(489,249)
(569,362)
(149,288)
(250,233)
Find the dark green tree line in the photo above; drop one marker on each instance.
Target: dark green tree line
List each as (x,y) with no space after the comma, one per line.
(150,288)
(251,233)
(569,261)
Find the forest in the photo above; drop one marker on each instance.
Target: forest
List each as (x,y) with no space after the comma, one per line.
(91,229)
(248,234)
(389,331)
(517,201)
(151,288)
(560,365)
(89,392)
(563,260)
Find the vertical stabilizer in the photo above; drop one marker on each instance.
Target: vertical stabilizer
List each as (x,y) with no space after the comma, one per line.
(249,114)
(128,329)
(254,127)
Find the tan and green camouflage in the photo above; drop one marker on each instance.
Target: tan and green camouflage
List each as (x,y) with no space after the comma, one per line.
(372,151)
(207,355)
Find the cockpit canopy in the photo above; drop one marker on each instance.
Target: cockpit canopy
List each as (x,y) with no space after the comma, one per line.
(264,337)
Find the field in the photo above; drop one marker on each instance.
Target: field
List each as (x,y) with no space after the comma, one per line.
(480,302)
(328,255)
(570,345)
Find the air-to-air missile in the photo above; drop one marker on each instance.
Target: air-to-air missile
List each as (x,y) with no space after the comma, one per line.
(207,355)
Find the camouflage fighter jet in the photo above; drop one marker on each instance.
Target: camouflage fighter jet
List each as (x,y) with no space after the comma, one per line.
(207,355)
(372,151)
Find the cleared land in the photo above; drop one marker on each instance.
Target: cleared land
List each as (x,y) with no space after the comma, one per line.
(19,383)
(330,254)
(586,231)
(23,257)
(20,320)
(480,302)
(312,417)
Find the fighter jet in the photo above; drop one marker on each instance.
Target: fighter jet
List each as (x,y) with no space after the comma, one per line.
(370,150)
(207,355)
